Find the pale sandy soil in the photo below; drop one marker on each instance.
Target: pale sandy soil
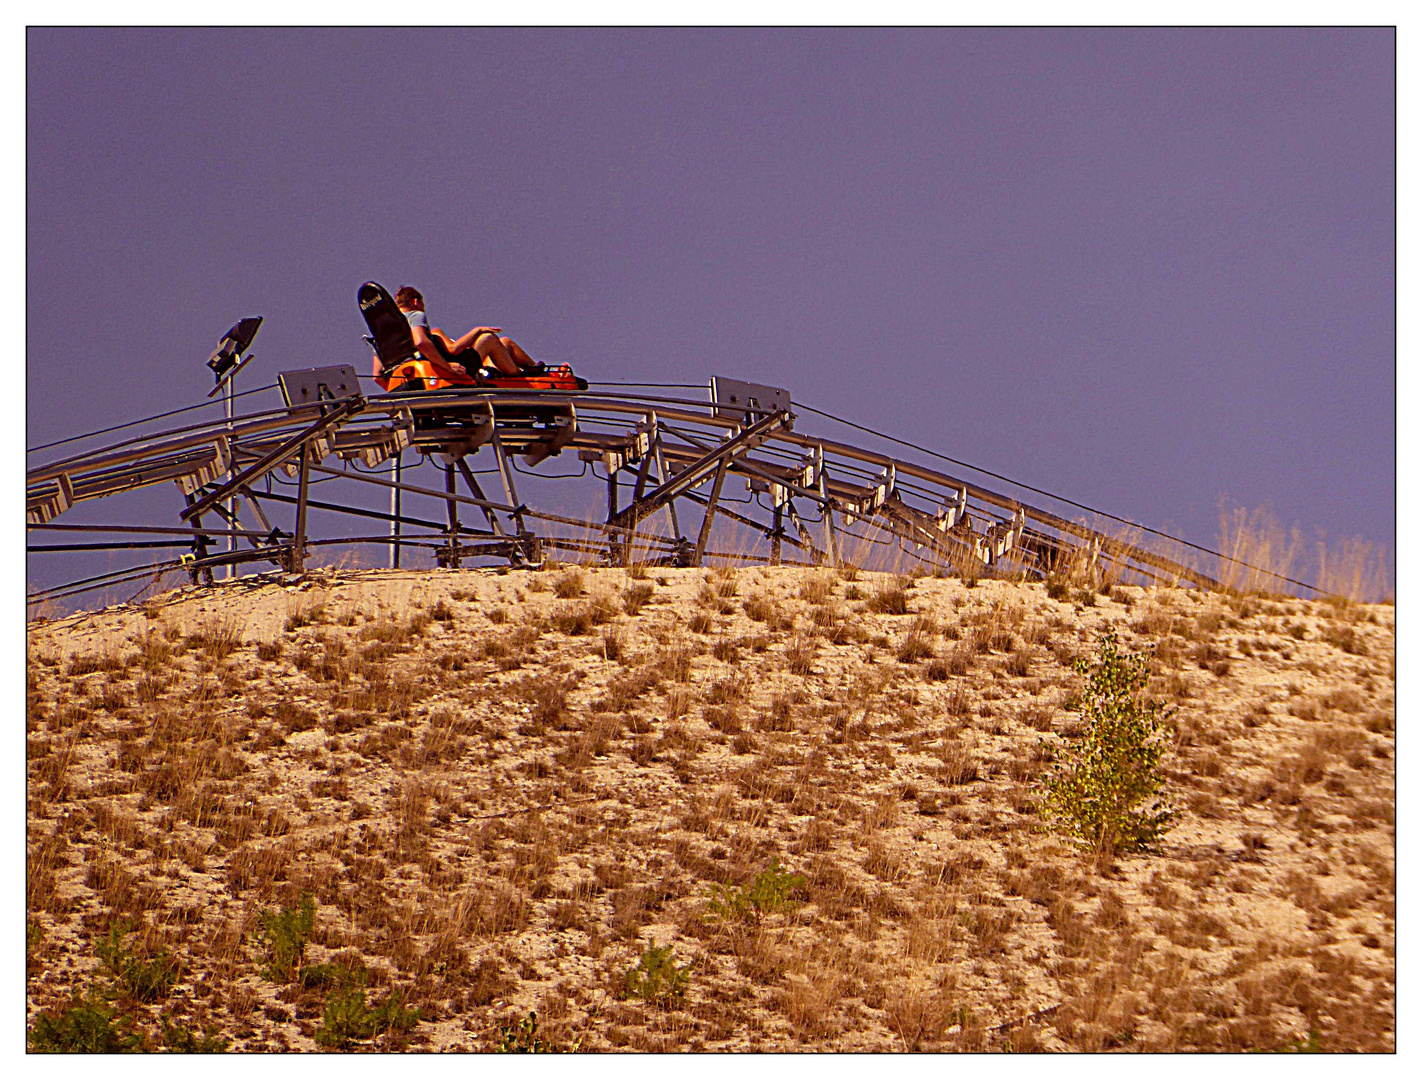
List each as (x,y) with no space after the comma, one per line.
(499,796)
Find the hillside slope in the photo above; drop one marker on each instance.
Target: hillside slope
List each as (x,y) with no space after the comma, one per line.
(501,787)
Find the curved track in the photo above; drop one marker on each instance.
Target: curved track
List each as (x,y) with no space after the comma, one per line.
(676,472)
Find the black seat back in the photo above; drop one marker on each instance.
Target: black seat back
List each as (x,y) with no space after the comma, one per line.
(394,343)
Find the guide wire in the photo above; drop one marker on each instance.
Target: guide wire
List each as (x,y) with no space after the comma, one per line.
(145,420)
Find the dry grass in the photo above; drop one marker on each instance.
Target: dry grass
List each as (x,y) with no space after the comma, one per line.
(1352,568)
(500,789)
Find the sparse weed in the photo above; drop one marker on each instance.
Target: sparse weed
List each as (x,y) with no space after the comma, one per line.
(915,647)
(613,642)
(800,656)
(817,588)
(889,599)
(635,597)
(523,1038)
(299,615)
(179,1039)
(570,583)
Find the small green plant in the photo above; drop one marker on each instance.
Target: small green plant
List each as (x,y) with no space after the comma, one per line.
(34,937)
(285,934)
(523,1038)
(144,978)
(86,1026)
(655,978)
(178,1039)
(349,1018)
(1105,794)
(770,891)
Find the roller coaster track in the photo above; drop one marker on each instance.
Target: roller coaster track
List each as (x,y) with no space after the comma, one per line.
(664,462)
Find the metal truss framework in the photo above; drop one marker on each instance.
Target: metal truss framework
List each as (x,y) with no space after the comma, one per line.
(827,500)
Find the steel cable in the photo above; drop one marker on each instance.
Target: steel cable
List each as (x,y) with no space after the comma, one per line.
(147,419)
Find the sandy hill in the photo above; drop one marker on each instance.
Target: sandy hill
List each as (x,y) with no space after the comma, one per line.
(686,809)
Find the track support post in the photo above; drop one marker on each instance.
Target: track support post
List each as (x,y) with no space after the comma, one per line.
(710,514)
(451,556)
(296,563)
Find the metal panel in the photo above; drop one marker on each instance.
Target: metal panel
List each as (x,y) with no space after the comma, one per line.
(310,385)
(732,397)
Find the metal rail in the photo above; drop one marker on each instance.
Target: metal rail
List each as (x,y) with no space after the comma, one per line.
(824,497)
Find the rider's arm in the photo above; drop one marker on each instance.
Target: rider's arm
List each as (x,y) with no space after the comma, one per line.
(445,339)
(430,349)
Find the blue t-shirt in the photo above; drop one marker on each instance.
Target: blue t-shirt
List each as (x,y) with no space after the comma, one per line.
(417,318)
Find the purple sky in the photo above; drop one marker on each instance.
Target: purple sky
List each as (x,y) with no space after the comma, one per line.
(1138,268)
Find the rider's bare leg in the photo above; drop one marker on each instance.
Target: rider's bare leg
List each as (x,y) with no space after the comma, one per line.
(521,358)
(492,350)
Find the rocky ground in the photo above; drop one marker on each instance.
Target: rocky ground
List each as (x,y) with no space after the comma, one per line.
(686,810)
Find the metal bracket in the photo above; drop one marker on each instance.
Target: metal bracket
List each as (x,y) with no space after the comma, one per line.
(999,539)
(565,427)
(49,503)
(875,498)
(220,464)
(952,513)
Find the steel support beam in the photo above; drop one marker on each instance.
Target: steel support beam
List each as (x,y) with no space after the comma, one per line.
(710,514)
(339,413)
(473,484)
(701,469)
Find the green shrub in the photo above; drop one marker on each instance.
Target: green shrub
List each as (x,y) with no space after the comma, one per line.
(655,978)
(86,1026)
(1105,793)
(349,1018)
(285,934)
(144,978)
(770,891)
